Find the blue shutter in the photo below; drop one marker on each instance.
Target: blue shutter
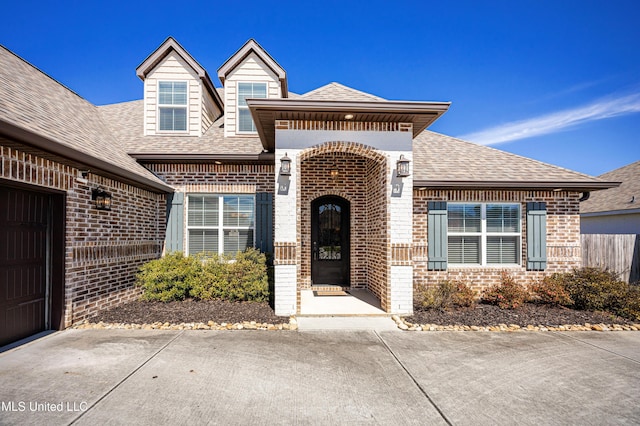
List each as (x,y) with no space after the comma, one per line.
(175,222)
(264,222)
(437,234)
(536,236)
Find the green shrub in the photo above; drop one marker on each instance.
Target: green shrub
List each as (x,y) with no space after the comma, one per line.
(508,294)
(631,308)
(242,277)
(205,277)
(551,290)
(212,279)
(594,289)
(168,278)
(446,295)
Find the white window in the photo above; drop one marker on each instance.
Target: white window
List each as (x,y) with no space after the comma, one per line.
(483,234)
(172,106)
(220,223)
(248,91)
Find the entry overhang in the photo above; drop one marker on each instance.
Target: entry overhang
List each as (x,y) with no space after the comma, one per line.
(265,112)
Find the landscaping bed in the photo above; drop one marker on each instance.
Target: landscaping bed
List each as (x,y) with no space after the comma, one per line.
(529,314)
(190,311)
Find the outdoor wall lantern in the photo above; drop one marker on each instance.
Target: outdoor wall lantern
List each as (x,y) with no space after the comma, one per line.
(334,172)
(285,165)
(101,199)
(402,167)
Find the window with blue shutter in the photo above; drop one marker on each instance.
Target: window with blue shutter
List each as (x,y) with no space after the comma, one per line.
(437,235)
(536,236)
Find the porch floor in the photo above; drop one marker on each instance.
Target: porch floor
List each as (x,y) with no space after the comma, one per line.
(357,302)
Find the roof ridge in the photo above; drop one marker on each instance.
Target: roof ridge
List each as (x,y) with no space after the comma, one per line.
(528,159)
(342,86)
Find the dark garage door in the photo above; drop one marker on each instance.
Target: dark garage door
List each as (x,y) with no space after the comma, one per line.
(25,230)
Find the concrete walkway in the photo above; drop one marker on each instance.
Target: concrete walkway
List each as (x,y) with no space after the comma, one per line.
(322,377)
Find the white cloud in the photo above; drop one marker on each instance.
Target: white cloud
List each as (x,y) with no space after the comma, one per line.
(557,121)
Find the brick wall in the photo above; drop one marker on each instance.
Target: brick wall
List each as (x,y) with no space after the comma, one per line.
(103,249)
(211,178)
(563,235)
(362,181)
(216,178)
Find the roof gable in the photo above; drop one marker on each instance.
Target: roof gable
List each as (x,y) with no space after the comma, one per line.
(164,50)
(252,46)
(339,92)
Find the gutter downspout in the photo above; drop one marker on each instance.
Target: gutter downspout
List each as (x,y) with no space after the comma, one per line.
(585,196)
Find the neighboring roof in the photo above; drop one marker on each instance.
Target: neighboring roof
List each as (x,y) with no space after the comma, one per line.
(441,161)
(171,45)
(125,121)
(623,199)
(252,46)
(338,92)
(38,111)
(266,111)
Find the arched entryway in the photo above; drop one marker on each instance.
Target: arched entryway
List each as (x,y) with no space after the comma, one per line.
(330,241)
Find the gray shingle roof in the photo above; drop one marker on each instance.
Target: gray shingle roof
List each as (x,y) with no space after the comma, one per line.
(615,199)
(126,123)
(441,159)
(34,102)
(338,92)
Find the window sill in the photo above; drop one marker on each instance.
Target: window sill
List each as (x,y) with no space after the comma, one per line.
(492,266)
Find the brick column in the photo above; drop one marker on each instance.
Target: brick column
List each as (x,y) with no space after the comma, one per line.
(285,236)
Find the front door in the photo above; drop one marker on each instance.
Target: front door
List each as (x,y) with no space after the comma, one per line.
(330,241)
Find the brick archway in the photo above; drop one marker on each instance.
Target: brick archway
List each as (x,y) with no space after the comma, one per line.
(364,181)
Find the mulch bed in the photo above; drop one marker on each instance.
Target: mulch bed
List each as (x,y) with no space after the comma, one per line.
(142,312)
(528,314)
(219,311)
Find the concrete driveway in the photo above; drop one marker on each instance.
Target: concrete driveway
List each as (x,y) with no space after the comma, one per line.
(322,377)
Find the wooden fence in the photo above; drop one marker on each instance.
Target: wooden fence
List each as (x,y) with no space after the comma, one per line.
(616,252)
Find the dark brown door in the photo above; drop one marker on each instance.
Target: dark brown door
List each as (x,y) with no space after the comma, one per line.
(330,241)
(24,238)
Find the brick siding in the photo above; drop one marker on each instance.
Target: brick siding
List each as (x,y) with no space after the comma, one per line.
(563,235)
(103,249)
(362,181)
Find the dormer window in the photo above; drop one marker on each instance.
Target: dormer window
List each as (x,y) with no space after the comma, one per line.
(172,106)
(248,91)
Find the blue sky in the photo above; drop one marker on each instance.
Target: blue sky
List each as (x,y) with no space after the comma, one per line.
(555,80)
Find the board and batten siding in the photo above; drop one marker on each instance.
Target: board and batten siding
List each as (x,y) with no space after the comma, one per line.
(173,68)
(251,69)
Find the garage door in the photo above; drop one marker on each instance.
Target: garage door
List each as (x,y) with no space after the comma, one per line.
(24,237)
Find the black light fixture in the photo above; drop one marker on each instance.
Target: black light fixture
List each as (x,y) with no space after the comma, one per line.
(402,166)
(101,199)
(285,165)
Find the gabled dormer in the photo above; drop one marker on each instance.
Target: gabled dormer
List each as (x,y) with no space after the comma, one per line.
(250,73)
(179,96)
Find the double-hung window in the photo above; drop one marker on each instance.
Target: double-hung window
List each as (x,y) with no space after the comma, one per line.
(220,223)
(248,91)
(483,234)
(172,106)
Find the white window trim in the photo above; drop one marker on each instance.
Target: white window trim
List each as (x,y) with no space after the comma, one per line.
(238,107)
(220,227)
(483,234)
(159,105)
